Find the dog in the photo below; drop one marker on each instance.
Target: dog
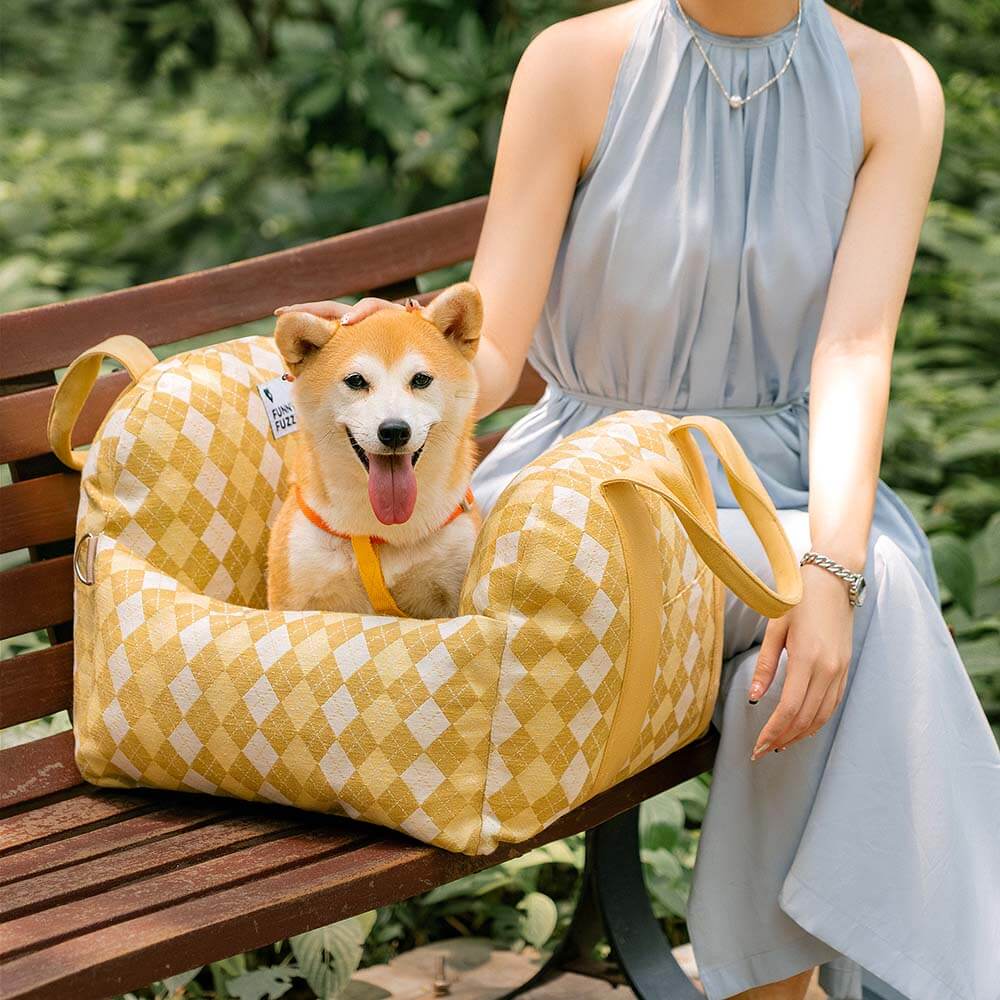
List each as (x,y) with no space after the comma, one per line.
(384,453)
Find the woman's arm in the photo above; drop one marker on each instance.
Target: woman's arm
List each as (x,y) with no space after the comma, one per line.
(538,162)
(903,113)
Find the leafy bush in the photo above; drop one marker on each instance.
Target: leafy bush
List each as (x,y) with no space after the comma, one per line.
(196,132)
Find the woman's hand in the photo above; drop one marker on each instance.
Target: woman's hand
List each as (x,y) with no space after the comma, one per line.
(818,636)
(343,311)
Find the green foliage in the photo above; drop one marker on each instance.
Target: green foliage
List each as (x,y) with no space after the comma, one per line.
(328,956)
(146,138)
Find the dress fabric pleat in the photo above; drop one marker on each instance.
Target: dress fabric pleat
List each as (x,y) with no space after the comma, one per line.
(691,277)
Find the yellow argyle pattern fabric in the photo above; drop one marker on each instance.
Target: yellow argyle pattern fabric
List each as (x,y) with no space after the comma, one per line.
(463,732)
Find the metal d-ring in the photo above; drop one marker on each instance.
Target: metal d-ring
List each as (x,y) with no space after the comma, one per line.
(88,537)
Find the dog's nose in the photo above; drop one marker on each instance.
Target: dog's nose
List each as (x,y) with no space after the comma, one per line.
(394,433)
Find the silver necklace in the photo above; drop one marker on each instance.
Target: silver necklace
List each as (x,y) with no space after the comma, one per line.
(735,101)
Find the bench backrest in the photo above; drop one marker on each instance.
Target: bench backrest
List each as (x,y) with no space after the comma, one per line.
(38,508)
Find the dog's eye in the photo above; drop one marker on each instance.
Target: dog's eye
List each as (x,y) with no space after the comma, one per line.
(356,381)
(421,380)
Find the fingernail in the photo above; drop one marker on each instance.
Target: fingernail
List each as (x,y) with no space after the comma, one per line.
(756,690)
(346,318)
(759,750)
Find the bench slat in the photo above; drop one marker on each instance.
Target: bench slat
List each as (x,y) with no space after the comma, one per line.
(36,684)
(102,874)
(273,855)
(35,596)
(38,510)
(33,770)
(67,817)
(163,312)
(204,927)
(128,831)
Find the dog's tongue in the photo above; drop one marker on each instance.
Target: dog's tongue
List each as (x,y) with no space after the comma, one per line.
(392,487)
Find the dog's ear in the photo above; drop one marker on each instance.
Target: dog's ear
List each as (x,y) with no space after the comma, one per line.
(458,313)
(300,334)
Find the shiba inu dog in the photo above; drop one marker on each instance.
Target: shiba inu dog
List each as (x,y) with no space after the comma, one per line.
(379,516)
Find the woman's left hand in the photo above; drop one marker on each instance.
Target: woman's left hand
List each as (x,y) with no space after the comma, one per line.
(817,633)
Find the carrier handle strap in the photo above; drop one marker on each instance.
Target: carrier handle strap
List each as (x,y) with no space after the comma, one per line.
(688,492)
(76,385)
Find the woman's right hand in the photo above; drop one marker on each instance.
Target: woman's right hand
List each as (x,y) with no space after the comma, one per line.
(343,311)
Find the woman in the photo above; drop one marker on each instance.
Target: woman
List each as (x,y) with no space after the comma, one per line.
(715,208)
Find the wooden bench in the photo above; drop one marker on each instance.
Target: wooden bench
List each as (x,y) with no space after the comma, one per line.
(104,891)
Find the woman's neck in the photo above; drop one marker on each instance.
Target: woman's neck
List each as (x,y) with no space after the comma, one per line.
(738,17)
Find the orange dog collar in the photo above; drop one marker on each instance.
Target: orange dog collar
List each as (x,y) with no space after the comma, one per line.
(369,564)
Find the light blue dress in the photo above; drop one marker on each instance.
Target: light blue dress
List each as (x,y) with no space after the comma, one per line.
(691,277)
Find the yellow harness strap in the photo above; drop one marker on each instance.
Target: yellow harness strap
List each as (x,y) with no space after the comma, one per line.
(369,564)
(370,568)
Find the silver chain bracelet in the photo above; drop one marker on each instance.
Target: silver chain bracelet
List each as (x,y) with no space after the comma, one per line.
(855,581)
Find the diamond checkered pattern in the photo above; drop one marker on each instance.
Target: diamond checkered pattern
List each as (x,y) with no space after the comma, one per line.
(550,564)
(463,732)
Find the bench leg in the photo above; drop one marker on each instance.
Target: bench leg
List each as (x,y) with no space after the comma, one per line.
(614,904)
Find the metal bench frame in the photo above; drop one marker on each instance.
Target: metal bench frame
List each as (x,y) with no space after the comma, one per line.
(102,891)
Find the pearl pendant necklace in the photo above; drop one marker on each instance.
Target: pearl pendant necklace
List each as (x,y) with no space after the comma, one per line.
(735,100)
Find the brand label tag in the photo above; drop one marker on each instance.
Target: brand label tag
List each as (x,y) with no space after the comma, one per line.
(277,398)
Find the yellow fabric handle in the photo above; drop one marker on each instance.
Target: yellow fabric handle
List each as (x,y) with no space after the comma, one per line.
(757,505)
(370,568)
(689,494)
(72,392)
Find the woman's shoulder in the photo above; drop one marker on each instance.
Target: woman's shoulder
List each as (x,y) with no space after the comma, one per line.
(898,86)
(575,61)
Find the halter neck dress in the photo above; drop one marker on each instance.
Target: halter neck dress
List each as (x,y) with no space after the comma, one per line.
(691,277)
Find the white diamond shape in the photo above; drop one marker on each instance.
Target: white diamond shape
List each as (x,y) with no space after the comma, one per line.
(271,466)
(574,776)
(422,777)
(198,429)
(427,723)
(124,764)
(119,667)
(595,668)
(196,637)
(584,721)
(336,767)
(418,824)
(571,505)
(684,702)
(340,710)
(130,614)
(352,655)
(260,753)
(260,700)
(436,667)
(114,719)
(591,558)
(600,614)
(130,492)
(176,385)
(271,647)
(506,549)
(211,481)
(195,780)
(270,792)
(221,585)
(185,741)
(185,690)
(218,536)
